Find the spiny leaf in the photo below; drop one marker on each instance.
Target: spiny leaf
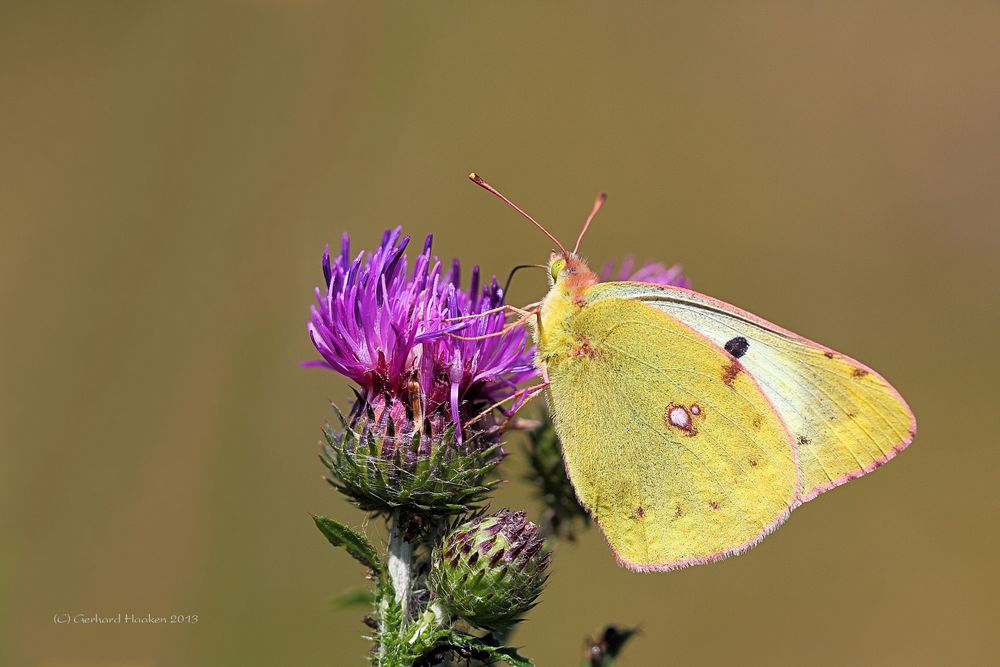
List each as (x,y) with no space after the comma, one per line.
(341,535)
(481,649)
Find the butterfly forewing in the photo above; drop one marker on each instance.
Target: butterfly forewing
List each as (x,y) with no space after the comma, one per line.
(845,418)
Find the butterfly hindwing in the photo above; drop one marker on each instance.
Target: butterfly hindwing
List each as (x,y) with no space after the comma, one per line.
(846,419)
(675,450)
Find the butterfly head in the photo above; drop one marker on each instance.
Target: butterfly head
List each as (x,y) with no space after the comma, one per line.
(569,270)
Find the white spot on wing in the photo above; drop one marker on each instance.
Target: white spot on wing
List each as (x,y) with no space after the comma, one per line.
(679,417)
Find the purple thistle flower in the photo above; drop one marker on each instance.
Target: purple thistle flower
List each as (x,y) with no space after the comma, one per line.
(653,272)
(387,328)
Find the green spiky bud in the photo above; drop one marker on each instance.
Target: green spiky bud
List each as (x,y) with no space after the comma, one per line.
(490,570)
(384,459)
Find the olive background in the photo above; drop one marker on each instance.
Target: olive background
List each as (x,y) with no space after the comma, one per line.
(170,173)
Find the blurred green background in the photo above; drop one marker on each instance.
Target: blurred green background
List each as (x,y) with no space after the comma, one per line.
(170,172)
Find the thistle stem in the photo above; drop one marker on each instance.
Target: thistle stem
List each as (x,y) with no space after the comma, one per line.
(400,566)
(393,644)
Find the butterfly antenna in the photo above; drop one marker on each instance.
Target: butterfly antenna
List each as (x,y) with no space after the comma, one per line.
(598,203)
(510,276)
(474,177)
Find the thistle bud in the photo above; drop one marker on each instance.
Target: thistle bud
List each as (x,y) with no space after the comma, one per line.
(490,570)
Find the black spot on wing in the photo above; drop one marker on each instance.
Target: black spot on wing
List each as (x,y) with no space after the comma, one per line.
(737,346)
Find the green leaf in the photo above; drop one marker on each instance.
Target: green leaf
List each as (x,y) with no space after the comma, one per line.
(356,597)
(480,649)
(341,535)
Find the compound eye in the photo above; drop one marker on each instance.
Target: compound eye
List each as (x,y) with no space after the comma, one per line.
(557,268)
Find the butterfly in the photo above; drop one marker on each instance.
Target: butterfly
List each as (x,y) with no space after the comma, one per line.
(691,428)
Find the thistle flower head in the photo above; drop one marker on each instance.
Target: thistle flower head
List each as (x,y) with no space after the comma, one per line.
(490,570)
(386,324)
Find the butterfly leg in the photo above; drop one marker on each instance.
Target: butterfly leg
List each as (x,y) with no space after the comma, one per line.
(522,396)
(529,393)
(506,307)
(503,332)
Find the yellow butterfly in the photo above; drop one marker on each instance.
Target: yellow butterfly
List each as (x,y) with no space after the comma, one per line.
(691,428)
